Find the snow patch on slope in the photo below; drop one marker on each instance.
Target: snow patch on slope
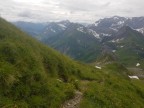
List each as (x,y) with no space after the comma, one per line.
(81,29)
(94,33)
(98,67)
(120,23)
(53,30)
(117,40)
(133,77)
(62,26)
(114,29)
(138,64)
(121,46)
(105,34)
(97,23)
(113,51)
(141,30)
(115,18)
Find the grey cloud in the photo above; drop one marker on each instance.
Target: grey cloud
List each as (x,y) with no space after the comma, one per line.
(107,4)
(74,10)
(81,5)
(25,14)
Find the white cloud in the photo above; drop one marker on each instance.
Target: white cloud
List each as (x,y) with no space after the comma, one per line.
(29,1)
(74,10)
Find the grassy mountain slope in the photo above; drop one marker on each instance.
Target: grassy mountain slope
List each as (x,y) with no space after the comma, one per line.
(128,45)
(31,74)
(35,76)
(113,90)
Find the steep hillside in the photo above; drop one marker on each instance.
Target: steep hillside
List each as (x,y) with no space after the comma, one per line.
(127,44)
(76,43)
(35,76)
(72,39)
(113,91)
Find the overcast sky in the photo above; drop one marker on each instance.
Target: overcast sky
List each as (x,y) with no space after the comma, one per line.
(73,10)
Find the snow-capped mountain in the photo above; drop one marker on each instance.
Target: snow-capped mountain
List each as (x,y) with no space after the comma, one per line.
(109,26)
(128,45)
(119,36)
(102,28)
(75,40)
(56,28)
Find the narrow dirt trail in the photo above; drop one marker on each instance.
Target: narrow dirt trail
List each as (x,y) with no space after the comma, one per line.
(73,103)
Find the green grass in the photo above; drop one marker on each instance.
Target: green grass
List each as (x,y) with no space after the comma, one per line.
(33,75)
(113,90)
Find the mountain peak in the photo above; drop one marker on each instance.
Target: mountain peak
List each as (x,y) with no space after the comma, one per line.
(123,30)
(65,21)
(116,17)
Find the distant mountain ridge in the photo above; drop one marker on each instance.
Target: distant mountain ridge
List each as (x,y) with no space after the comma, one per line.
(31,28)
(127,45)
(109,26)
(116,35)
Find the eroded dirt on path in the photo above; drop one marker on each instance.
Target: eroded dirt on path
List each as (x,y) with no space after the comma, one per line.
(73,103)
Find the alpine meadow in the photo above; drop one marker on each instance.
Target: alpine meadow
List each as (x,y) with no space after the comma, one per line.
(71,54)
